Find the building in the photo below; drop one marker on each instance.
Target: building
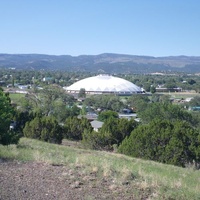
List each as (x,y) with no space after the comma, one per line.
(104,84)
(96,125)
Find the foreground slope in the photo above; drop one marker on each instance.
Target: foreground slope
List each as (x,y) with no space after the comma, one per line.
(39,170)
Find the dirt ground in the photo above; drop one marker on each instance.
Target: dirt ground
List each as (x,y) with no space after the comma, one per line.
(35,181)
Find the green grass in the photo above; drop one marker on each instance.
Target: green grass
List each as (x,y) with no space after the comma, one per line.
(165,181)
(179,95)
(16,97)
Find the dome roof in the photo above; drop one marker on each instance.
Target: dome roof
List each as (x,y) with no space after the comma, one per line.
(104,84)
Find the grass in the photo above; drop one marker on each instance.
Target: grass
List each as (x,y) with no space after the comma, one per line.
(16,97)
(164,181)
(179,95)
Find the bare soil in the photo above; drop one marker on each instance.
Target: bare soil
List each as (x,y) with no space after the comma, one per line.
(35,181)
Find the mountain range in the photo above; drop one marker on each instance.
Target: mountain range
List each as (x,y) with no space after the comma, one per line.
(106,63)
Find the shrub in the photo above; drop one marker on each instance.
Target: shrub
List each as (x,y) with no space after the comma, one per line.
(6,115)
(112,132)
(46,129)
(164,141)
(96,140)
(75,127)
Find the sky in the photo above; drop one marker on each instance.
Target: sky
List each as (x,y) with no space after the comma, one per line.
(91,27)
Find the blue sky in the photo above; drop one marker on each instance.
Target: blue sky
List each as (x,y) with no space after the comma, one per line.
(91,27)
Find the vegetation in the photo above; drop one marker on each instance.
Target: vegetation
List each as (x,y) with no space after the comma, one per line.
(82,93)
(105,102)
(138,102)
(166,111)
(46,129)
(157,180)
(166,133)
(105,115)
(75,127)
(164,141)
(110,135)
(7,136)
(51,114)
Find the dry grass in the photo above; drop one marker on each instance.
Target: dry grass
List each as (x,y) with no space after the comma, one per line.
(155,180)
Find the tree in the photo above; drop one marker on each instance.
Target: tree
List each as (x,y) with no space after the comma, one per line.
(105,115)
(163,141)
(46,99)
(195,101)
(153,89)
(96,140)
(72,111)
(82,93)
(191,82)
(46,129)
(138,102)
(74,128)
(171,83)
(147,87)
(166,111)
(118,129)
(6,114)
(105,102)
(50,101)
(112,133)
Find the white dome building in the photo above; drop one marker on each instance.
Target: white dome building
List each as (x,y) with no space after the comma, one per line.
(102,84)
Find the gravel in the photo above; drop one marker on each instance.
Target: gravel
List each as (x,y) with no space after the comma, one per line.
(35,181)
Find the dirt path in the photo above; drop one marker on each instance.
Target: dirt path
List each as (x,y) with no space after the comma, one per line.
(35,181)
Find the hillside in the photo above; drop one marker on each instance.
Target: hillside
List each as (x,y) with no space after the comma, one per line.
(38,170)
(107,62)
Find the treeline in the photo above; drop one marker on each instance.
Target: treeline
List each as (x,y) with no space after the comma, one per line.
(163,132)
(62,78)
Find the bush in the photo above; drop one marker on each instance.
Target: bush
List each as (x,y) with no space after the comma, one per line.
(96,140)
(75,127)
(7,136)
(118,129)
(10,137)
(46,129)
(163,141)
(105,115)
(112,133)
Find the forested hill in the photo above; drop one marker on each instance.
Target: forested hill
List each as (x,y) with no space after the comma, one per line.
(107,62)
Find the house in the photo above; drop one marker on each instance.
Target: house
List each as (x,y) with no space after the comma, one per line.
(13,125)
(24,87)
(47,79)
(96,125)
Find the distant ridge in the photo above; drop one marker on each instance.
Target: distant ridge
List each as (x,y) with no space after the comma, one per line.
(106,62)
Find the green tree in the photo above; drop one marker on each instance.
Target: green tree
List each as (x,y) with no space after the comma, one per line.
(96,140)
(51,131)
(163,141)
(147,87)
(82,93)
(105,115)
(153,89)
(46,129)
(112,133)
(33,128)
(72,111)
(166,111)
(51,101)
(171,83)
(138,102)
(191,82)
(105,102)
(118,129)
(195,101)
(6,114)
(74,128)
